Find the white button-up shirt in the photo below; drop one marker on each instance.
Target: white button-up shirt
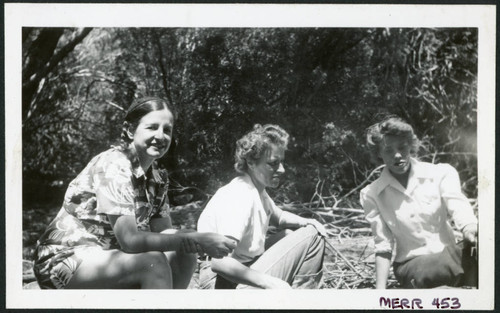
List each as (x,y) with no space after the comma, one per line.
(416,218)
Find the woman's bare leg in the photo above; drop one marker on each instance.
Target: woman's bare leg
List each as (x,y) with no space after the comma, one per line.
(109,269)
(183,266)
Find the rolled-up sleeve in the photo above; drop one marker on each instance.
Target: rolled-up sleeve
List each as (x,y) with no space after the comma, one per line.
(383,237)
(114,190)
(457,204)
(227,213)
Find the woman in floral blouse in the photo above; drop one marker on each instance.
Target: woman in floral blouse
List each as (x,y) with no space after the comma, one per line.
(114,228)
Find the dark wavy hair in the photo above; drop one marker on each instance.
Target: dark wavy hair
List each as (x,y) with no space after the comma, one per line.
(391,125)
(253,145)
(137,110)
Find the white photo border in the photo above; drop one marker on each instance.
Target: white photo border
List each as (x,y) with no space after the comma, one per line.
(18,15)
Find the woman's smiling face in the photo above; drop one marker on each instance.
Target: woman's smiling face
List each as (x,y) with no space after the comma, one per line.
(395,152)
(153,135)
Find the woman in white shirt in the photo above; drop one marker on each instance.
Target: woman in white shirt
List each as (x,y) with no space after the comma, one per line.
(408,206)
(242,210)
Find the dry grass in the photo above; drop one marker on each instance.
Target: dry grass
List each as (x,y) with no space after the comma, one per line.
(350,264)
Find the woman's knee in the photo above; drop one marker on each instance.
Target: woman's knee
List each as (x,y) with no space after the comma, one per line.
(153,257)
(152,262)
(151,270)
(311,231)
(317,242)
(154,266)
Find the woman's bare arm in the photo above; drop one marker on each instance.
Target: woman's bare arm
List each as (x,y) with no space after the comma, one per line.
(236,272)
(132,240)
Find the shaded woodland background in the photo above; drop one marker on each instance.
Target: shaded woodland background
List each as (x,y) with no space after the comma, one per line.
(323,85)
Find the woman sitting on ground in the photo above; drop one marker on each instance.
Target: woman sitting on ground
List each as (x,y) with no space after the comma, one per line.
(408,206)
(242,210)
(114,229)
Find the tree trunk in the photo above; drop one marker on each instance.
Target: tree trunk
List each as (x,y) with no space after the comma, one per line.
(40,58)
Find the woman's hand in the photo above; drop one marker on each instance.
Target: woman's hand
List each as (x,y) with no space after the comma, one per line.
(470,233)
(319,227)
(187,245)
(214,245)
(382,267)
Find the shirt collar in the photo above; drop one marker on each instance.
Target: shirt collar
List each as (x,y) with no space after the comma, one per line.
(416,171)
(137,170)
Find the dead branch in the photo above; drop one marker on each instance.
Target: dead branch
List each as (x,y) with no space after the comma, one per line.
(344,258)
(367,179)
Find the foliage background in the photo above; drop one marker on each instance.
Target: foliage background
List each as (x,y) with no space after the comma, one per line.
(325,86)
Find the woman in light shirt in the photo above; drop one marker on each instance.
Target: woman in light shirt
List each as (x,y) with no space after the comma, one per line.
(242,210)
(408,208)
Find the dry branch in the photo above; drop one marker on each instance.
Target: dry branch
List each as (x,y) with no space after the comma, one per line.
(343,258)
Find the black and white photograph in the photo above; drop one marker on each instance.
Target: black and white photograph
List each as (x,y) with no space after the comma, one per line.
(220,150)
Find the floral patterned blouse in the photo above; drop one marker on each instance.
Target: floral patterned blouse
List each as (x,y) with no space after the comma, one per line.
(113,183)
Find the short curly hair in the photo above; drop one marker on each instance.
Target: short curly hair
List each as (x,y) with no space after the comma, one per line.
(391,125)
(256,142)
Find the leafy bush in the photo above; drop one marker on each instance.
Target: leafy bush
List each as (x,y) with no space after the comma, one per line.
(324,86)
